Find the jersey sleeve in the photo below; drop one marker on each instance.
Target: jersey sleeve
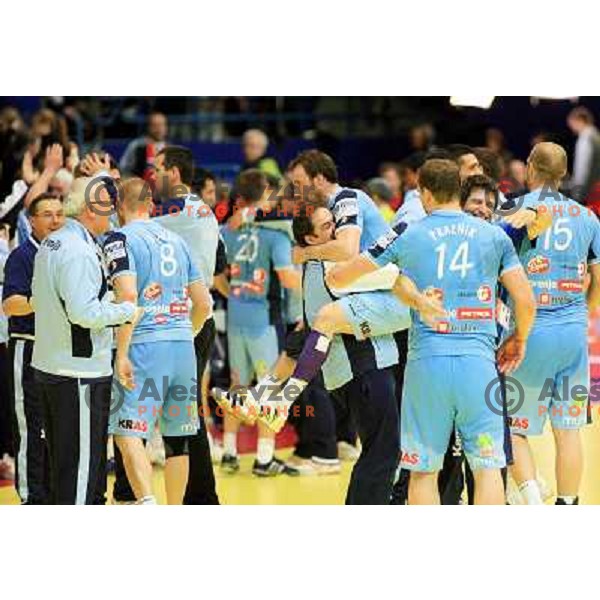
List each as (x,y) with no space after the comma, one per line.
(346,213)
(506,252)
(594,250)
(193,272)
(118,255)
(389,248)
(281,252)
(17,277)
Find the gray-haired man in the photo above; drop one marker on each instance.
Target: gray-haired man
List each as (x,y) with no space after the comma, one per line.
(72,353)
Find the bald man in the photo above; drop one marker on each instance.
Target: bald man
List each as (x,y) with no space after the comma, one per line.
(255,144)
(555,376)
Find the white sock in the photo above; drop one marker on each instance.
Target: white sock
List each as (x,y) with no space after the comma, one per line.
(265,449)
(568,499)
(230,444)
(147,500)
(530,490)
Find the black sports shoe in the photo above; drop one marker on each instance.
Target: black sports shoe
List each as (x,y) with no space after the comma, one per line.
(273,468)
(230,464)
(561,502)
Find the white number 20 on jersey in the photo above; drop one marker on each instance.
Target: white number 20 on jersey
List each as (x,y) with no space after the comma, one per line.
(460,260)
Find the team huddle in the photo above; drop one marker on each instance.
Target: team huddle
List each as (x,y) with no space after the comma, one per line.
(411,327)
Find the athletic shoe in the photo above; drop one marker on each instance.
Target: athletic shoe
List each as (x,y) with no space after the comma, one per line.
(230,464)
(313,466)
(7,468)
(273,468)
(240,405)
(561,502)
(347,451)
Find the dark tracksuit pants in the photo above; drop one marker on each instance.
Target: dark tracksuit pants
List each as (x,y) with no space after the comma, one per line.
(315,423)
(76,424)
(6,435)
(372,401)
(201,487)
(31,452)
(400,489)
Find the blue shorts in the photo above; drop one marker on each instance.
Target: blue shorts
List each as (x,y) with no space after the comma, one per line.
(252,352)
(444,392)
(556,361)
(375,313)
(165,390)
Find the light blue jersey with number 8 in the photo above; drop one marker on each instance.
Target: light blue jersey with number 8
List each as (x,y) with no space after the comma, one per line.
(163,267)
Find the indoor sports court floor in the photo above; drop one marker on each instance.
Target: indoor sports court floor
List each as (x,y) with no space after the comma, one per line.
(244,488)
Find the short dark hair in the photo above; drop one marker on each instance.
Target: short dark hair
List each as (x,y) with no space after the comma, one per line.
(478,182)
(490,162)
(182,158)
(201,176)
(33,205)
(250,185)
(457,151)
(441,177)
(302,222)
(414,161)
(316,163)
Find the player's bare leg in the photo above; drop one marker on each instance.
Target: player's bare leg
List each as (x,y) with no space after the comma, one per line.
(489,488)
(523,470)
(423,488)
(137,466)
(176,477)
(569,464)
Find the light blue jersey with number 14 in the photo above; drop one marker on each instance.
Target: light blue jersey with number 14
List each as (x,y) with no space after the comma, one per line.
(458,259)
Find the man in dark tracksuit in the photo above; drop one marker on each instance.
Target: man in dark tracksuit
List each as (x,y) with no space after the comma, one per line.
(46,215)
(72,353)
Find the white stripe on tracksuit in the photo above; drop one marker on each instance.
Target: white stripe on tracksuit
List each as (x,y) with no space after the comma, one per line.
(21,419)
(83,471)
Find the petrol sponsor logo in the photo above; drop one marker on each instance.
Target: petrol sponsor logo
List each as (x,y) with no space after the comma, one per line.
(133,425)
(178,308)
(474,314)
(538,265)
(161,319)
(570,285)
(484,293)
(153,291)
(410,458)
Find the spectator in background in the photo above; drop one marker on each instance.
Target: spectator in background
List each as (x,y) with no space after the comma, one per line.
(517,170)
(491,162)
(495,142)
(205,186)
(141,152)
(586,164)
(409,172)
(254,146)
(390,172)
(421,137)
(381,194)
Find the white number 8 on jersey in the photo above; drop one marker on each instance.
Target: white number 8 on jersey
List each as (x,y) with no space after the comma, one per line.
(168,262)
